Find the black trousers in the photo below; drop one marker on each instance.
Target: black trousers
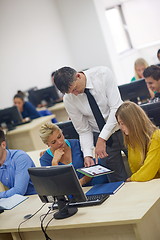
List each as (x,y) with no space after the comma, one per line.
(114,161)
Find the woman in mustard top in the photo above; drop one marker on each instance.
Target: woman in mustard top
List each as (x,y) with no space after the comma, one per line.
(142,138)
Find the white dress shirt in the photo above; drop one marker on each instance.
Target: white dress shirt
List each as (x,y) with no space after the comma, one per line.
(104,88)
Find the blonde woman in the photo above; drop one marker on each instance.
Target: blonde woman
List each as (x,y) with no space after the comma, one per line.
(64,151)
(142,138)
(139,66)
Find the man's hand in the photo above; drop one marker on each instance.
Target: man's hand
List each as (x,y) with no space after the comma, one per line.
(100,150)
(88,161)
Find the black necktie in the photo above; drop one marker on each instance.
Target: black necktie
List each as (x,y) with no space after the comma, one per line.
(97,113)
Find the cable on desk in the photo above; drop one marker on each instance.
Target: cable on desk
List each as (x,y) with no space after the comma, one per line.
(42,227)
(28,219)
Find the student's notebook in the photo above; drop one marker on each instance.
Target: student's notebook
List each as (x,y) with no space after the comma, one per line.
(105,188)
(11,202)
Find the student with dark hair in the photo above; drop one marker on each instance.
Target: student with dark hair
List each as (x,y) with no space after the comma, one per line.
(152,78)
(26,108)
(99,83)
(142,138)
(14,174)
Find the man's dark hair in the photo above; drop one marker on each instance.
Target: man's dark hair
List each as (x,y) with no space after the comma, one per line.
(158,52)
(63,78)
(52,74)
(152,71)
(2,136)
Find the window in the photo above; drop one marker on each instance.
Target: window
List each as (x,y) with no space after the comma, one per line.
(118,29)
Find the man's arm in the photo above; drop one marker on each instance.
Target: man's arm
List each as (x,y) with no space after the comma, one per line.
(114,101)
(81,125)
(23,162)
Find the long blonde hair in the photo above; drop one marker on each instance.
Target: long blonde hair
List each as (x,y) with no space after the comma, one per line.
(139,61)
(139,126)
(46,130)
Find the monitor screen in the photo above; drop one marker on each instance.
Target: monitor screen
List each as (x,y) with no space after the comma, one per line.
(135,91)
(60,183)
(153,112)
(48,96)
(10,117)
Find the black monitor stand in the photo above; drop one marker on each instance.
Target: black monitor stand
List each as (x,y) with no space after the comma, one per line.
(64,210)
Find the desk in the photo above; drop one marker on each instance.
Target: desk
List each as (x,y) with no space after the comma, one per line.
(26,137)
(59,110)
(132,213)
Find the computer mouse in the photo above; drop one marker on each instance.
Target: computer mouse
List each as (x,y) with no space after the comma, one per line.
(27,216)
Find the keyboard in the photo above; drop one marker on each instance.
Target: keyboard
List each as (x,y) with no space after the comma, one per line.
(23,123)
(92,200)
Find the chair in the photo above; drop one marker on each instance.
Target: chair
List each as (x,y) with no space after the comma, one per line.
(68,130)
(46,112)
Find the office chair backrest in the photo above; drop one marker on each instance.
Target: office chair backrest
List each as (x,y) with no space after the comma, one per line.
(68,130)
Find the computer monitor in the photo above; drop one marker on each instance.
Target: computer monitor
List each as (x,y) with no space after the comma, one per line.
(135,91)
(153,111)
(60,183)
(48,95)
(10,117)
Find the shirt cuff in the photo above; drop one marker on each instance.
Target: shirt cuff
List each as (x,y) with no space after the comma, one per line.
(106,134)
(88,153)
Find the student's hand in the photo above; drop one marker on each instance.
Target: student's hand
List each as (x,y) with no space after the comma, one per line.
(27,119)
(88,161)
(84,180)
(100,150)
(57,156)
(128,180)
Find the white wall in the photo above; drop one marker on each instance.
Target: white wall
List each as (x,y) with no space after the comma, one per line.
(145,11)
(84,34)
(32,45)
(39,36)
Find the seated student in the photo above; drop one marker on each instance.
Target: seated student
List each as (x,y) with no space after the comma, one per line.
(26,108)
(142,138)
(139,66)
(63,151)
(152,78)
(14,174)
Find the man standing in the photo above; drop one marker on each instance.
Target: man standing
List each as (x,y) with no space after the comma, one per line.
(14,174)
(100,83)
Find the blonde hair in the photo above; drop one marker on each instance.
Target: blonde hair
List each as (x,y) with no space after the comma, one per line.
(46,130)
(139,126)
(139,61)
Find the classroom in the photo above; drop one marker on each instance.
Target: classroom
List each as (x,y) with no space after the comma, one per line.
(89,39)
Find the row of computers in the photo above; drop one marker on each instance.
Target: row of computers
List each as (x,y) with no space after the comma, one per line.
(48,96)
(11,117)
(136,91)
